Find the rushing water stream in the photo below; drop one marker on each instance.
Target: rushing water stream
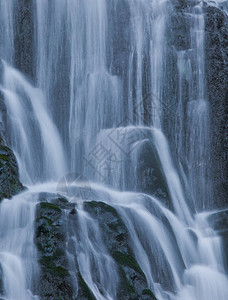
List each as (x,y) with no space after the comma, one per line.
(95,106)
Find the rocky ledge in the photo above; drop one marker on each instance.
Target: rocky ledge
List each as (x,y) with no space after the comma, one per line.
(10,184)
(219,222)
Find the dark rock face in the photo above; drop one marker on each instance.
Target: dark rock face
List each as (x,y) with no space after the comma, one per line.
(56,281)
(2,115)
(9,177)
(216,80)
(150,178)
(1,282)
(10,184)
(216,39)
(119,23)
(24,37)
(219,222)
(133,283)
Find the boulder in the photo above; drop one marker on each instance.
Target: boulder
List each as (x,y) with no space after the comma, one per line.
(133,284)
(56,279)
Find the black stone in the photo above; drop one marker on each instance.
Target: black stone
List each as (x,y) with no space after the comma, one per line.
(10,184)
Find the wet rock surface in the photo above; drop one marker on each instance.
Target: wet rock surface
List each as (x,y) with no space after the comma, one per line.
(10,184)
(216,77)
(219,222)
(133,283)
(56,280)
(216,40)
(1,282)
(150,178)
(24,37)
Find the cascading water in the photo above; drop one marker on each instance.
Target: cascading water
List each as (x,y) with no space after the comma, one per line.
(96,111)
(17,252)
(30,121)
(191,69)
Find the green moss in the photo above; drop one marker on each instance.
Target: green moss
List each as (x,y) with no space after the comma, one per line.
(104,206)
(4,157)
(48,205)
(85,289)
(60,297)
(49,221)
(58,254)
(17,188)
(113,226)
(127,260)
(62,200)
(46,261)
(60,236)
(149,293)
(43,228)
(39,246)
(59,271)
(128,287)
(5,148)
(53,269)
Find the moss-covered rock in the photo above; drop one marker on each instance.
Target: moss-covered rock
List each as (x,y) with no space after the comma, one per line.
(126,260)
(148,293)
(115,235)
(10,184)
(84,291)
(55,280)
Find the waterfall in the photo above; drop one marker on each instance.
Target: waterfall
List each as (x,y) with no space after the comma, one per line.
(192,69)
(17,252)
(101,103)
(30,121)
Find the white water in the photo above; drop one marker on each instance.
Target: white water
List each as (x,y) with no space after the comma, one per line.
(17,250)
(31,127)
(92,255)
(195,126)
(77,102)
